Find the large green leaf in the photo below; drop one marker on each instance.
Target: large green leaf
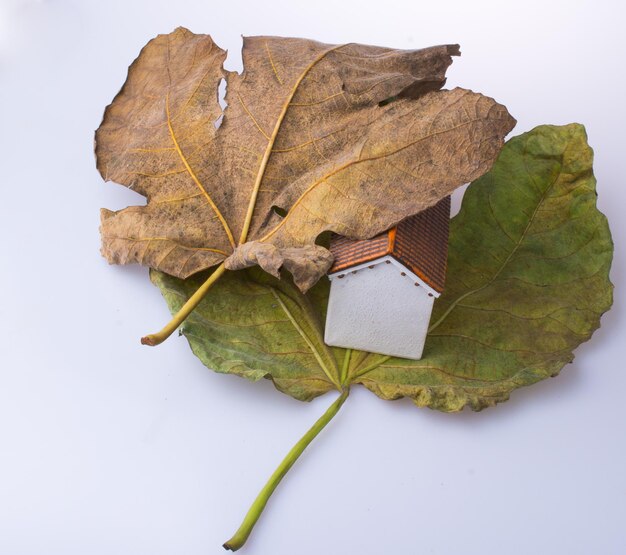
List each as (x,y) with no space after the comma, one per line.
(527,282)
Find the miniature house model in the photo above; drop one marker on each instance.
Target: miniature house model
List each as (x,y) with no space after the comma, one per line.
(383,289)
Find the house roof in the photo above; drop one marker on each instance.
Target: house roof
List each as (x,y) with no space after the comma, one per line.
(419,242)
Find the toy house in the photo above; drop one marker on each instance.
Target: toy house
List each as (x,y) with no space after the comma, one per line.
(383,289)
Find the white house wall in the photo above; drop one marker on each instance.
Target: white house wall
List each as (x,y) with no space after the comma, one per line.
(379,310)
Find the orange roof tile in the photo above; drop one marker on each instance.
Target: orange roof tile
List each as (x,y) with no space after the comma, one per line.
(419,242)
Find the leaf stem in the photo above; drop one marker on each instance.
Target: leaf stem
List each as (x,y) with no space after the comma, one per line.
(345,366)
(259,503)
(178,318)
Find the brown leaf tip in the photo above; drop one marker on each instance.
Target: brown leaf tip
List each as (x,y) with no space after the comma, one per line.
(454,49)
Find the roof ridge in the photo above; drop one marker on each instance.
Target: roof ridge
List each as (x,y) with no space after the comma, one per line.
(391,234)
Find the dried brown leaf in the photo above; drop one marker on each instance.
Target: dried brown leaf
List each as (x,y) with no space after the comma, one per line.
(309,142)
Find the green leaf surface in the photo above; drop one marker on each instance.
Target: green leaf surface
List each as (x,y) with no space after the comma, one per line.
(253,325)
(528,266)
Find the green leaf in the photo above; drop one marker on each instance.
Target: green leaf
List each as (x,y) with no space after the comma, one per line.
(256,326)
(528,267)
(529,259)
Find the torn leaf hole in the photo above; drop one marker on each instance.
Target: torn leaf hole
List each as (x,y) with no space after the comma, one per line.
(279,211)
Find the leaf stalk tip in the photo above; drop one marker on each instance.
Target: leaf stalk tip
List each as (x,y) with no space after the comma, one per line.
(178,318)
(240,537)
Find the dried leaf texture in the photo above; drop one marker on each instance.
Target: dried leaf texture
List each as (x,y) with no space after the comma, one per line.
(309,142)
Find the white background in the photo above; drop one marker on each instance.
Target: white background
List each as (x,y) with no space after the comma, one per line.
(108,447)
